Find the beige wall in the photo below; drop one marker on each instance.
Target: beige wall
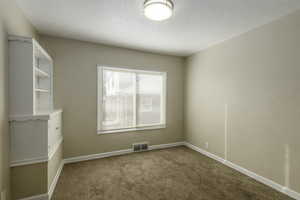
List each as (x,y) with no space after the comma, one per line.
(12,21)
(257,77)
(75,90)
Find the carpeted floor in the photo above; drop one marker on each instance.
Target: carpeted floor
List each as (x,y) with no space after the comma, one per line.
(169,174)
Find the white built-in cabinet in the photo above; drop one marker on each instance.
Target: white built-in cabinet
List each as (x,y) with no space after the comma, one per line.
(30,78)
(35,127)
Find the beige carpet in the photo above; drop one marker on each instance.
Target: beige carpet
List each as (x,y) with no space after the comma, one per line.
(169,174)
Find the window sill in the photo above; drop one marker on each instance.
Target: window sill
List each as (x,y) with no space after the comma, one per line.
(132,129)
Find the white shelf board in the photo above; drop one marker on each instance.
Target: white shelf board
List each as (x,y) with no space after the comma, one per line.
(41,90)
(41,73)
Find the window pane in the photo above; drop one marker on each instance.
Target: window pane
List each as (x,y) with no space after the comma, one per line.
(118,100)
(149,99)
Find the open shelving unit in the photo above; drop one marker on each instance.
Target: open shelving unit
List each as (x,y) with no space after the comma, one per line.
(43,67)
(31,77)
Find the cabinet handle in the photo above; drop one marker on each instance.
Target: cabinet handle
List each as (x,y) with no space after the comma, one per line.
(57,128)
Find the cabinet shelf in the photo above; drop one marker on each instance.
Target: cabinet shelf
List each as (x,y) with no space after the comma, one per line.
(41,90)
(41,73)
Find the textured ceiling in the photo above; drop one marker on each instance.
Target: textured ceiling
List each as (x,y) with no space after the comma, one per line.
(196,24)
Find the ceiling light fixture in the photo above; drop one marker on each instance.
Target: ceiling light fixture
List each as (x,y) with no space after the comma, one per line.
(158,10)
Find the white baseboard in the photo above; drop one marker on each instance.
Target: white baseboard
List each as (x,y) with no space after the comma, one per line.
(292,193)
(213,156)
(165,146)
(55,180)
(97,156)
(117,153)
(249,173)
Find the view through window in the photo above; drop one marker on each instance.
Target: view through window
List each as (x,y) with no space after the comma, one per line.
(130,99)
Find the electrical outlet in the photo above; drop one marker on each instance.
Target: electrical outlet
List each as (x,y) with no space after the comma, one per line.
(3,195)
(206,145)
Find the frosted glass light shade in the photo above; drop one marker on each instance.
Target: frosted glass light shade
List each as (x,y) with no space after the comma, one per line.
(158,10)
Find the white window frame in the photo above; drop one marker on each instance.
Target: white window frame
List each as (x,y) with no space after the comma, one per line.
(160,125)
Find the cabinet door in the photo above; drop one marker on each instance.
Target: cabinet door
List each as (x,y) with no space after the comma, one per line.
(28,141)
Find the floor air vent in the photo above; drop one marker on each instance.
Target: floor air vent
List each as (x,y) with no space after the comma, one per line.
(140,147)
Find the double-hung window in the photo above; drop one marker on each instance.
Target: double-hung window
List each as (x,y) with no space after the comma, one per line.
(130,99)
